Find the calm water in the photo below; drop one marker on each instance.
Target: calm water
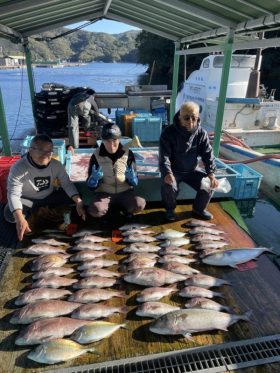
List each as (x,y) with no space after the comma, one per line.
(261,216)
(103,77)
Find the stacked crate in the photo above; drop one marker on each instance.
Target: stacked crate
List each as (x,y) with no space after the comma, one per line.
(51,108)
(5,164)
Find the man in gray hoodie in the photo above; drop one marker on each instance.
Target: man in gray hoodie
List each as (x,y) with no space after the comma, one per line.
(37,180)
(180,146)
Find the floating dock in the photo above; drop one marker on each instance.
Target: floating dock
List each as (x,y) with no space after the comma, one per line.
(136,349)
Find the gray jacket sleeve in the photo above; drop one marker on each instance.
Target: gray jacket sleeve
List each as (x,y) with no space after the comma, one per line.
(14,187)
(164,155)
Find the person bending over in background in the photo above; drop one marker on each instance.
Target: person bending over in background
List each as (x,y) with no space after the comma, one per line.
(37,180)
(180,146)
(112,176)
(81,108)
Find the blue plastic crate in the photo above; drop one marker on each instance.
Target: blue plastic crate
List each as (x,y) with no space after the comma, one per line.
(147,129)
(59,148)
(120,112)
(247,182)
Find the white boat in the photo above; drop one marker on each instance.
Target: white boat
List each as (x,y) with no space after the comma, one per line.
(251,126)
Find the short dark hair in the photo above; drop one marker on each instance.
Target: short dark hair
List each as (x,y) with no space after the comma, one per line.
(90,91)
(41,138)
(110,131)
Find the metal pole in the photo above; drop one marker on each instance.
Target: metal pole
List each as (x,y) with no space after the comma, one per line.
(3,129)
(174,83)
(30,74)
(223,92)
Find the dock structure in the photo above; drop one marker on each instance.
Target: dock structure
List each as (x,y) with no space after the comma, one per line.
(136,349)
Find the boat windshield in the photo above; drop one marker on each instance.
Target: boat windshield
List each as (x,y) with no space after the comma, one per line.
(236,61)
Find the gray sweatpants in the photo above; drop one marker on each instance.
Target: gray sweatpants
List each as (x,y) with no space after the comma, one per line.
(77,115)
(169,193)
(127,202)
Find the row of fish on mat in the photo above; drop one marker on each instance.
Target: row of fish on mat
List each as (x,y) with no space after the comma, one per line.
(47,314)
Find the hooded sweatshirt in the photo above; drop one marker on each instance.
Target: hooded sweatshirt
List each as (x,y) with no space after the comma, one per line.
(179,149)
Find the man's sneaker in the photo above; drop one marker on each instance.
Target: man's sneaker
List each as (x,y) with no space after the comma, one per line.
(170,215)
(204,215)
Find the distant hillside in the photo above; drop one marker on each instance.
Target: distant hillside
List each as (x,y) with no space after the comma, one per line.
(80,45)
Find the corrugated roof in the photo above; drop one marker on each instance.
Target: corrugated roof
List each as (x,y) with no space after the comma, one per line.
(177,20)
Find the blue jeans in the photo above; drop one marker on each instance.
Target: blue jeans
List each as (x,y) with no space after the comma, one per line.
(169,193)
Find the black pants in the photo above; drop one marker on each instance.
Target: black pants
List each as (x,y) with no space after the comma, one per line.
(169,193)
(55,199)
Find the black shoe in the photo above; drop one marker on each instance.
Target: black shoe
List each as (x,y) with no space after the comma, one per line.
(170,215)
(204,215)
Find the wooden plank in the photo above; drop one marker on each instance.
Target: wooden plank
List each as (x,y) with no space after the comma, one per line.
(257,290)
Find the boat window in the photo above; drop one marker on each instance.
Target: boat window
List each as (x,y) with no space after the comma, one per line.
(236,61)
(206,63)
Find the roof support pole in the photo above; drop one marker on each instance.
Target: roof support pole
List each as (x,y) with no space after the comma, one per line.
(3,129)
(223,92)
(30,74)
(174,82)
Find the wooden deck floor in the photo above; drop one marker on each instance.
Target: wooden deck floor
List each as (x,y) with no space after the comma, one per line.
(256,289)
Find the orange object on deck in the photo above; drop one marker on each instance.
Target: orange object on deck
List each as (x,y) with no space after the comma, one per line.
(116,235)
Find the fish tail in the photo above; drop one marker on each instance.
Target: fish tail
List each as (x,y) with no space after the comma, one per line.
(247,315)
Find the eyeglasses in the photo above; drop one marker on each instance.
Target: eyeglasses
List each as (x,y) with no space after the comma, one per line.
(43,152)
(188,117)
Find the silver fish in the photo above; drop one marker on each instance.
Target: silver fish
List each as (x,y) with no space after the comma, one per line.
(96,263)
(43,249)
(95,331)
(141,263)
(96,311)
(205,281)
(133,256)
(196,291)
(176,242)
(99,272)
(55,271)
(93,238)
(170,234)
(152,277)
(182,269)
(206,303)
(86,232)
(136,231)
(202,230)
(54,282)
(210,245)
(49,261)
(154,309)
(47,329)
(95,281)
(95,295)
(235,256)
(199,223)
(130,226)
(140,248)
(50,241)
(175,250)
(40,310)
(36,295)
(187,321)
(176,258)
(206,237)
(58,350)
(85,255)
(90,246)
(206,252)
(139,238)
(155,293)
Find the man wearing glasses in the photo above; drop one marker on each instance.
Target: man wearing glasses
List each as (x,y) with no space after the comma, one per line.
(37,180)
(180,146)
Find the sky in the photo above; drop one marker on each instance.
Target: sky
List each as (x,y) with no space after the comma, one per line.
(110,27)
